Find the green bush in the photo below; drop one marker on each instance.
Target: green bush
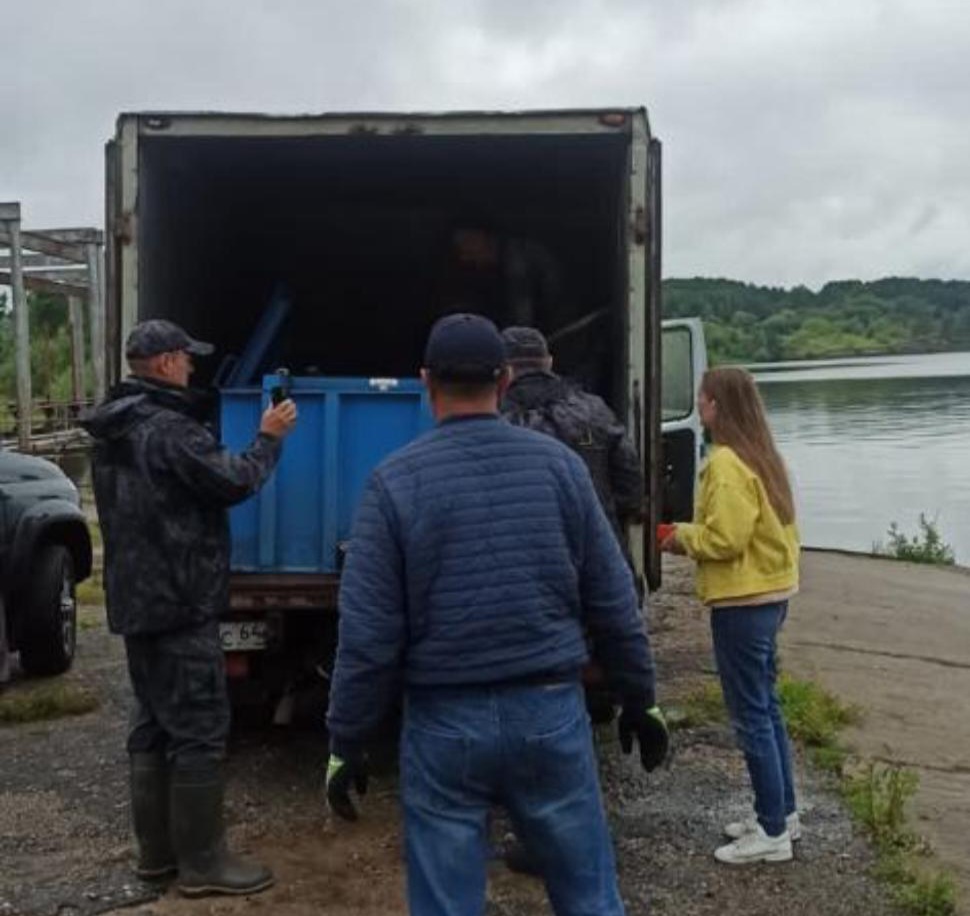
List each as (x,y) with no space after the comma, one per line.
(877,795)
(926,547)
(929,894)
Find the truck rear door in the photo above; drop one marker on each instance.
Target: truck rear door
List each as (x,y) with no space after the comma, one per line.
(683,361)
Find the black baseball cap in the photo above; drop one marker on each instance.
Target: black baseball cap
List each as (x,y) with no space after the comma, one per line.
(524,344)
(149,338)
(464,347)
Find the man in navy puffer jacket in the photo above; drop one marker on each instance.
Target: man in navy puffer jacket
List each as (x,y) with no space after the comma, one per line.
(479,560)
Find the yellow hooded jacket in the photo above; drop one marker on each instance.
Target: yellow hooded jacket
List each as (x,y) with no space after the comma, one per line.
(741,547)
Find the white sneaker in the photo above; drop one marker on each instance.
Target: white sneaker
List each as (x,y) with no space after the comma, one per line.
(756,847)
(738,829)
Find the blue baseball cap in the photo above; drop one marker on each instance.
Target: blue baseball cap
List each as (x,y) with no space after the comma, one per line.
(465,347)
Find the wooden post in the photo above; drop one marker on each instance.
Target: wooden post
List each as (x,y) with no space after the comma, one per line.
(10,217)
(76,316)
(96,317)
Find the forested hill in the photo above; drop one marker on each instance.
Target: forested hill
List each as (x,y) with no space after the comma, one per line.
(747,323)
(744,323)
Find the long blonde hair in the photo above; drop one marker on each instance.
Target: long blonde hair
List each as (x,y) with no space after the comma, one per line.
(740,424)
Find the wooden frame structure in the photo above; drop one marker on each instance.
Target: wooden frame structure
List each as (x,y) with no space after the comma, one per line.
(68,262)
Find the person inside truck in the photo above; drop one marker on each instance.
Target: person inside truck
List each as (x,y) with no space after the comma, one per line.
(162,486)
(479,560)
(491,272)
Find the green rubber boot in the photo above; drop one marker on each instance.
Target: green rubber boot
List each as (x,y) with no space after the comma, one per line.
(205,865)
(149,816)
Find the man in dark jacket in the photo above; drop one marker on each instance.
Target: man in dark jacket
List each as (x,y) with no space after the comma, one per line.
(480,558)
(539,399)
(163,485)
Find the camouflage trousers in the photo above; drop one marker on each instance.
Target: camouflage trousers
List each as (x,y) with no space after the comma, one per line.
(181,701)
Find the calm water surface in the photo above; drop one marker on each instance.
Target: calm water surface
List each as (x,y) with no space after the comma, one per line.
(873,441)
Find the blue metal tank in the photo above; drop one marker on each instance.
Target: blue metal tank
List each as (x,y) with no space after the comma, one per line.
(300,520)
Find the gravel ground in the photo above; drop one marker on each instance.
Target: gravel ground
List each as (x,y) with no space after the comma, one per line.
(64,847)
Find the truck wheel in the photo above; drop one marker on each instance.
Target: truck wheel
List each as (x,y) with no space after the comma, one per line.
(49,613)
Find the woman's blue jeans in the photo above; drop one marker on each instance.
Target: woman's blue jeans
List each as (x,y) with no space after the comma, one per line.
(526,748)
(745,645)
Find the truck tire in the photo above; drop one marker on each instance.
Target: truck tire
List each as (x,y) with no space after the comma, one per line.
(48,613)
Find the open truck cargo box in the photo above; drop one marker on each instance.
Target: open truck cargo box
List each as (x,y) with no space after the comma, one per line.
(208,214)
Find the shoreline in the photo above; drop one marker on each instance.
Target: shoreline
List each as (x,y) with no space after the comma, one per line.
(959,568)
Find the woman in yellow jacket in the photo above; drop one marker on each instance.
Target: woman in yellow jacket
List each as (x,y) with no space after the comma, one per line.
(744,540)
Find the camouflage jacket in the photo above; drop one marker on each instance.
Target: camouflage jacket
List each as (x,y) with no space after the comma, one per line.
(545,402)
(163,485)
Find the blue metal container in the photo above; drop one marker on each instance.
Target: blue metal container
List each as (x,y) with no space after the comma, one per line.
(299,520)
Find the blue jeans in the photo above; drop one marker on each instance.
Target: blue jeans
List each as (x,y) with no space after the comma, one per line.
(527,748)
(745,647)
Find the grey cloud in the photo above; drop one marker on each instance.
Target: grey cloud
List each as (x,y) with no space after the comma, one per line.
(803,142)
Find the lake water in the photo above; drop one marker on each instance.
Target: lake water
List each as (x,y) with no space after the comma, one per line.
(875,441)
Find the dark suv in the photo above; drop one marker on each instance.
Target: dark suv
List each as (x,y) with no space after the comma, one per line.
(45,550)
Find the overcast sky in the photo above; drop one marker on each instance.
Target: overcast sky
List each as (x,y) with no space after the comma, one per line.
(803,141)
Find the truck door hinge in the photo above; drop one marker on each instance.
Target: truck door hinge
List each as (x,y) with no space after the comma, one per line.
(123,230)
(637,418)
(640,226)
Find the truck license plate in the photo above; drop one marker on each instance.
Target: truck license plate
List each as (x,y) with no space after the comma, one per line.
(245,635)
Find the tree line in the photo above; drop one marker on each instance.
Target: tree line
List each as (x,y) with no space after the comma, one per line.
(748,323)
(742,322)
(50,353)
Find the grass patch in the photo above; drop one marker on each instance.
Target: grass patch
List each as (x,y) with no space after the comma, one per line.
(813,715)
(90,618)
(830,759)
(704,705)
(927,546)
(91,590)
(877,795)
(33,702)
(929,893)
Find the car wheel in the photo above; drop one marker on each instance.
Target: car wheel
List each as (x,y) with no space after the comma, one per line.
(49,613)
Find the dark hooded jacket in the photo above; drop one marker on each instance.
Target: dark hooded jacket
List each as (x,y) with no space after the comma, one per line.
(545,402)
(163,485)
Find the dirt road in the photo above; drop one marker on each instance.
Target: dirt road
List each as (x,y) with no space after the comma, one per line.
(64,846)
(895,639)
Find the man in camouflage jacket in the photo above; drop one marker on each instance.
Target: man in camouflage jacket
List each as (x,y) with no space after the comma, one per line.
(163,485)
(541,400)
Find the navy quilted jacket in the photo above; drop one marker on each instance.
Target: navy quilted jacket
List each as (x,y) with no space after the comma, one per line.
(480,555)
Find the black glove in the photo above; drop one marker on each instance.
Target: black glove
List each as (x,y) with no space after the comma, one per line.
(650,728)
(341,774)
